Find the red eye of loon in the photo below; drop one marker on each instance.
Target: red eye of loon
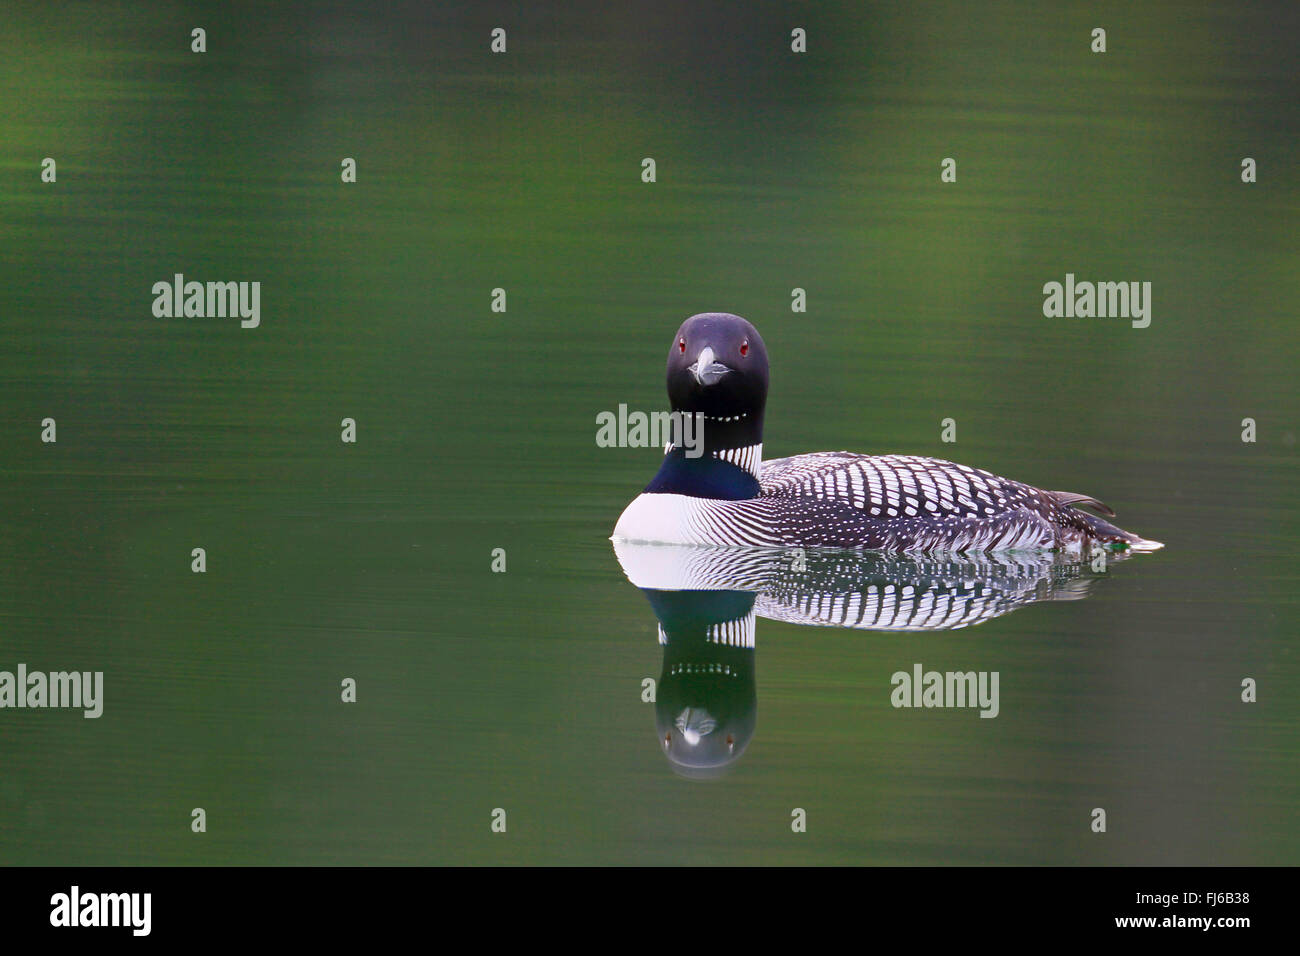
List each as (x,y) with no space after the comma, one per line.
(681,345)
(744,347)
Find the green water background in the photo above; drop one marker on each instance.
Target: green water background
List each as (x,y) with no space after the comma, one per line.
(476,430)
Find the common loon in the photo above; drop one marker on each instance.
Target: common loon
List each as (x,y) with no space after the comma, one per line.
(728,495)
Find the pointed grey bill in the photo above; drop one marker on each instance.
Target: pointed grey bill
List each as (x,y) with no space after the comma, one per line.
(706,370)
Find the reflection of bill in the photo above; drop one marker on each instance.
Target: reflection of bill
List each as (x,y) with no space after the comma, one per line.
(708,599)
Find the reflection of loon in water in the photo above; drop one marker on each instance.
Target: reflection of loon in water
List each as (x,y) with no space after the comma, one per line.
(707,601)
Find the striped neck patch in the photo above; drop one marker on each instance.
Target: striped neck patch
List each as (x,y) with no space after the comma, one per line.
(749,458)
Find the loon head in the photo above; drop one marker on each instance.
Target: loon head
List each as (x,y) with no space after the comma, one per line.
(717,385)
(701,746)
(706,702)
(717,365)
(706,705)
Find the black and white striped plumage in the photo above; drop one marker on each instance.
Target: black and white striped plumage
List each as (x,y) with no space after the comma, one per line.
(895,503)
(903,503)
(857,589)
(707,601)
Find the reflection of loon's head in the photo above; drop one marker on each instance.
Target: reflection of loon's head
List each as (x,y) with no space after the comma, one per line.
(707,599)
(705,720)
(706,704)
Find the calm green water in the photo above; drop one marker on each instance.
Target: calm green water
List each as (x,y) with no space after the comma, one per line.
(476,429)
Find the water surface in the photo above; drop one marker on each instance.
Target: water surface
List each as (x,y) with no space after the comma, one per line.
(476,429)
